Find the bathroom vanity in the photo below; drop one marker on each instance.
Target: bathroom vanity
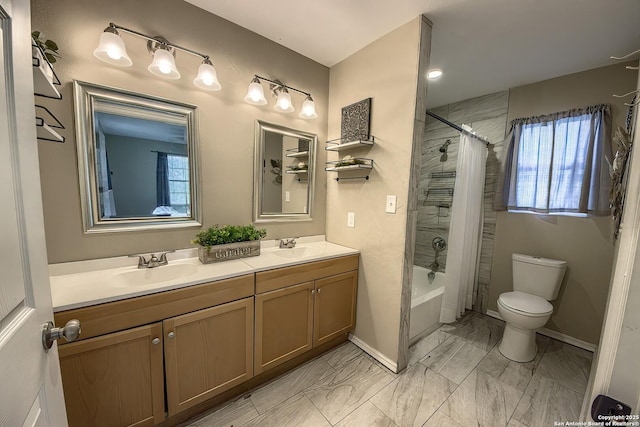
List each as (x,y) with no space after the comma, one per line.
(176,347)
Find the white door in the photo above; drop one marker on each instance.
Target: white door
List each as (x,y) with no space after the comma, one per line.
(31,390)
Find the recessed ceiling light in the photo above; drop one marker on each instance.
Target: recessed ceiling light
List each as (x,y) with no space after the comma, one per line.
(434,73)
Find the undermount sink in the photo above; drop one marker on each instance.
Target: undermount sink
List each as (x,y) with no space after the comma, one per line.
(148,276)
(297,252)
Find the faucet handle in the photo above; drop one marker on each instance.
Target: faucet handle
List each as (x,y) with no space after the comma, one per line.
(288,243)
(142,261)
(163,256)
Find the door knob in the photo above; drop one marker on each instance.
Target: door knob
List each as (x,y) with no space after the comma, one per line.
(50,333)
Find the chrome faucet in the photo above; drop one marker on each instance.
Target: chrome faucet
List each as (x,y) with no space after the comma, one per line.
(153,260)
(288,243)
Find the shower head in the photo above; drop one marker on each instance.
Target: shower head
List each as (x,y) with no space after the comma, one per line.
(443,149)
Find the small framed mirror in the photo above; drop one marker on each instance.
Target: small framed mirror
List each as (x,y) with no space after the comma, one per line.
(283,173)
(137,160)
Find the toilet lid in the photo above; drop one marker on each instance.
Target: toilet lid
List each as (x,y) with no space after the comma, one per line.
(525,303)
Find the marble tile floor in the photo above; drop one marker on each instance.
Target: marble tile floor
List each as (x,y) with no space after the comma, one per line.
(456,377)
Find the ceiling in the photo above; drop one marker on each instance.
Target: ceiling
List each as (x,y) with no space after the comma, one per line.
(483,46)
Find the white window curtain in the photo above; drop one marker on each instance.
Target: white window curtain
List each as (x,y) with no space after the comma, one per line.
(465,229)
(557,163)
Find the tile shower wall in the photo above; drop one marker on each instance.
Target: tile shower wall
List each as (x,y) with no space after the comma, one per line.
(488,117)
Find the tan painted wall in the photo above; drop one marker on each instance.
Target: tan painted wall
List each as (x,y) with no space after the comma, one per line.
(226,122)
(586,243)
(385,70)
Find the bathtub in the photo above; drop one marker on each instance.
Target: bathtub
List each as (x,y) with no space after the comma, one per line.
(426,300)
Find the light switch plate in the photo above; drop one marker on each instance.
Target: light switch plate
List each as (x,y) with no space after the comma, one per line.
(391,204)
(351,219)
(287,196)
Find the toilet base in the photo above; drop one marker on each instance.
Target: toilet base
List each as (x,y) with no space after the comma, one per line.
(518,345)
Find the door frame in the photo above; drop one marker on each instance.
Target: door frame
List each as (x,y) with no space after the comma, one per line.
(625,256)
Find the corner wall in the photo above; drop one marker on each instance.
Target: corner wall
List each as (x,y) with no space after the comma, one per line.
(387,70)
(586,243)
(226,123)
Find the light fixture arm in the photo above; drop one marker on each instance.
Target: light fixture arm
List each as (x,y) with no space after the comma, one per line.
(114,27)
(280,84)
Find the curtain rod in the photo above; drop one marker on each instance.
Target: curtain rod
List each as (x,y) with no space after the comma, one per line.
(458,128)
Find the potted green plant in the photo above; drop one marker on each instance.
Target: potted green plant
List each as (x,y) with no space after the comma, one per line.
(45,51)
(48,47)
(228,242)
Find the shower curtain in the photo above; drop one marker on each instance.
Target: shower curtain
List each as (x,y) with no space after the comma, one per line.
(465,229)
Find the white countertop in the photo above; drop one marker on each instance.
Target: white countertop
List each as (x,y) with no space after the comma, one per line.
(85,283)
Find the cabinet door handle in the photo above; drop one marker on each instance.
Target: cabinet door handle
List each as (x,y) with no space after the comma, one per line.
(155,341)
(319,289)
(170,335)
(313,291)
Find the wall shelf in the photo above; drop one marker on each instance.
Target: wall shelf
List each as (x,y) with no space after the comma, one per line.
(347,168)
(292,171)
(294,153)
(46,128)
(338,145)
(46,132)
(362,164)
(44,78)
(44,84)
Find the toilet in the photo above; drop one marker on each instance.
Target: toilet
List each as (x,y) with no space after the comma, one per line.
(536,281)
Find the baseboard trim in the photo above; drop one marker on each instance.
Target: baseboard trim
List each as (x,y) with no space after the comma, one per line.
(388,363)
(555,335)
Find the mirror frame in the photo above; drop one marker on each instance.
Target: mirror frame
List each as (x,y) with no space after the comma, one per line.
(258,216)
(85,95)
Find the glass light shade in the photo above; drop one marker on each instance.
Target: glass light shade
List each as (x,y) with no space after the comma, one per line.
(207,78)
(164,65)
(111,50)
(283,103)
(308,110)
(255,94)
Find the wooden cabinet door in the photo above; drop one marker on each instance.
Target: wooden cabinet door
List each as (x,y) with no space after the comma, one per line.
(207,352)
(334,307)
(115,380)
(284,320)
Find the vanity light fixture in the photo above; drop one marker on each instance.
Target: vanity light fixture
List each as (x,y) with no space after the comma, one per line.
(308,110)
(112,50)
(255,96)
(283,102)
(164,64)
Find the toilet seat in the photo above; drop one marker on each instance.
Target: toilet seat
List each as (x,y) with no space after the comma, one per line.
(525,304)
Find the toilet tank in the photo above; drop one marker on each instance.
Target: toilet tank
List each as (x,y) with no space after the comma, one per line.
(538,276)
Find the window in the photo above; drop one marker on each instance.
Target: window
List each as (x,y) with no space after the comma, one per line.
(557,164)
(178,168)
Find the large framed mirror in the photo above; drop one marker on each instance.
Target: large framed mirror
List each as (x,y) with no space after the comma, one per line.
(137,160)
(283,173)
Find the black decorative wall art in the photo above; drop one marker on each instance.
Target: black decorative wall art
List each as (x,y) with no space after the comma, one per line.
(356,121)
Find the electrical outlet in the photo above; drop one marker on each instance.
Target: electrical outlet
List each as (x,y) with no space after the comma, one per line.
(391,204)
(351,219)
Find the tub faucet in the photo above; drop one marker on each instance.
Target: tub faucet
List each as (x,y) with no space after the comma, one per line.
(153,261)
(288,243)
